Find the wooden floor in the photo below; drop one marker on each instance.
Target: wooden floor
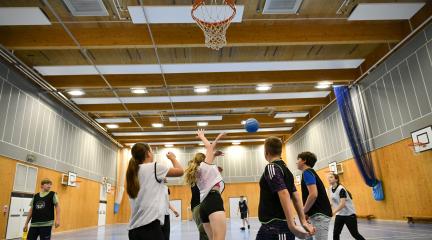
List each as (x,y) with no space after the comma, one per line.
(186,230)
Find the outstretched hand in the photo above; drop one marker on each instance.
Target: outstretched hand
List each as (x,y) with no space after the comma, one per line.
(218,153)
(200,133)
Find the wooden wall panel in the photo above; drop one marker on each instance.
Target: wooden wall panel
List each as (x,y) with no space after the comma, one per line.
(406,180)
(7,174)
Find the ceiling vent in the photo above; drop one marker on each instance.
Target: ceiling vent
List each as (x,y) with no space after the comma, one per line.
(282,6)
(81,8)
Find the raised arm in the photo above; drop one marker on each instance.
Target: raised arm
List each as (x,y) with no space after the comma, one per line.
(210,154)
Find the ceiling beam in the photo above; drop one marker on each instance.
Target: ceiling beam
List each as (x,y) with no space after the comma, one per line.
(190,79)
(173,138)
(205,105)
(256,33)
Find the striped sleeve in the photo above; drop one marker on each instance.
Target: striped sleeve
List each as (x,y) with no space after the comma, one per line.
(274,178)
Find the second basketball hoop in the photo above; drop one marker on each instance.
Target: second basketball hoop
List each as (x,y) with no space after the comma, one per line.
(214,18)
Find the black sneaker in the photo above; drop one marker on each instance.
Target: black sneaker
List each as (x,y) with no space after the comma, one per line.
(242,228)
(248,226)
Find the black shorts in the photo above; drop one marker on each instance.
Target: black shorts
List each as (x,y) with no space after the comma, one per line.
(243,215)
(212,203)
(151,231)
(44,233)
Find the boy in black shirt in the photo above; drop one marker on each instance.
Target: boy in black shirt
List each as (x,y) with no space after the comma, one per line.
(316,203)
(276,191)
(243,209)
(41,213)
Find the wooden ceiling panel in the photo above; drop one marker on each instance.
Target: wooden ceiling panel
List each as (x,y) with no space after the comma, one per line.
(192,79)
(126,35)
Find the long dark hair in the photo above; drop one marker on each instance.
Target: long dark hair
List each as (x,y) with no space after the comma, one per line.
(339,183)
(139,153)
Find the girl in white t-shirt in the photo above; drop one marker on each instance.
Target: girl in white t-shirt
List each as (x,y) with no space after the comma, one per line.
(147,192)
(206,175)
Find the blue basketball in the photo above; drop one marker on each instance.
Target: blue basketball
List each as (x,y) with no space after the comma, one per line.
(252,125)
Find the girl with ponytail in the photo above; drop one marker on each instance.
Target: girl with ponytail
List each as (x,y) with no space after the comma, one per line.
(343,209)
(146,190)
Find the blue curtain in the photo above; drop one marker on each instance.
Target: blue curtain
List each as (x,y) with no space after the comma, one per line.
(355,128)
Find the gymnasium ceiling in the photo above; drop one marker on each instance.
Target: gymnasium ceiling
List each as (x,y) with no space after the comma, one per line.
(290,52)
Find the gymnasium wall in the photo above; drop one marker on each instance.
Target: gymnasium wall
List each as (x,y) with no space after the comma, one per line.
(242,163)
(398,100)
(31,123)
(78,205)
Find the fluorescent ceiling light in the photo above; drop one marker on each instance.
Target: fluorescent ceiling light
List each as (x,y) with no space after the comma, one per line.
(325,83)
(76,92)
(322,86)
(201,89)
(201,144)
(195,118)
(199,67)
(113,120)
(157,125)
(16,16)
(202,124)
(139,90)
(243,122)
(263,87)
(112,126)
(203,98)
(172,14)
(166,133)
(385,11)
(290,120)
(291,114)
(235,143)
(169,145)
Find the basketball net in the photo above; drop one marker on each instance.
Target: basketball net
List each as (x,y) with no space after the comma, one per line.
(214,18)
(414,145)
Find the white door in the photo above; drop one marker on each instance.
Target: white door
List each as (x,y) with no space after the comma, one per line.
(233,206)
(25,204)
(177,205)
(14,221)
(102,214)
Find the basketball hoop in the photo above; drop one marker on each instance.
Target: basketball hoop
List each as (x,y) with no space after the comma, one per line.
(416,147)
(214,18)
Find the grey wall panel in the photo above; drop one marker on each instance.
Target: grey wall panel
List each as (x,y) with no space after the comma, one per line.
(401,95)
(19,119)
(3,70)
(426,68)
(392,103)
(409,90)
(4,105)
(11,112)
(30,122)
(428,32)
(385,106)
(396,102)
(419,86)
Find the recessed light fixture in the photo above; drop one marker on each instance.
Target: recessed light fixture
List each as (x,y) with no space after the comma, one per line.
(290,120)
(236,143)
(202,124)
(76,92)
(112,126)
(139,90)
(169,145)
(157,125)
(323,84)
(201,144)
(243,122)
(263,87)
(201,89)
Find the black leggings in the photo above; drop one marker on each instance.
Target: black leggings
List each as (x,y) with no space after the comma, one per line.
(166,227)
(151,231)
(351,222)
(43,232)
